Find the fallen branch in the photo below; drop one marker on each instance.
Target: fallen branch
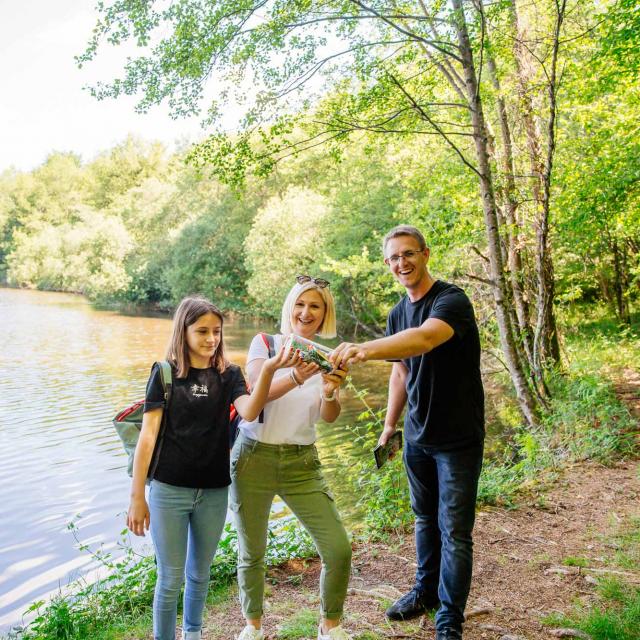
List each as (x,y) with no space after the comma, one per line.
(493,627)
(384,591)
(614,571)
(563,570)
(570,633)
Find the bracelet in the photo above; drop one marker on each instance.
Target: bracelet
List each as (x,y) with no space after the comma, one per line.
(295,380)
(331,397)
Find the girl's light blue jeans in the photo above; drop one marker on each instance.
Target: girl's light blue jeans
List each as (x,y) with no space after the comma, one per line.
(186,525)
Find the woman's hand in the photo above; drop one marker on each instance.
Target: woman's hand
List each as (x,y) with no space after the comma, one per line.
(138,517)
(332,381)
(284,358)
(306,370)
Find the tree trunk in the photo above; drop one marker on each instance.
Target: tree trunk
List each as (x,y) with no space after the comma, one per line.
(619,278)
(546,345)
(527,403)
(514,258)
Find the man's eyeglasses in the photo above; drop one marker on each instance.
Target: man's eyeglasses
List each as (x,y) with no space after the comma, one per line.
(302,278)
(407,255)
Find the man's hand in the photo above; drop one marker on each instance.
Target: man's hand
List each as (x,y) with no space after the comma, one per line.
(387,432)
(348,353)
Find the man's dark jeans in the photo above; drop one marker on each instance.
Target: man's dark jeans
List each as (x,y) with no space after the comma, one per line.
(443,487)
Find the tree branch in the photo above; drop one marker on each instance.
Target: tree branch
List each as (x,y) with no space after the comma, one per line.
(426,117)
(412,35)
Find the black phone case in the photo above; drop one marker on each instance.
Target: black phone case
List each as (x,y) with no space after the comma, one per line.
(381,453)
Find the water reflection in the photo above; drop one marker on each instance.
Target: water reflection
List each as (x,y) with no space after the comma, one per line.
(65,368)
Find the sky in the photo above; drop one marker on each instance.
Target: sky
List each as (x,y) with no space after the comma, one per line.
(43,107)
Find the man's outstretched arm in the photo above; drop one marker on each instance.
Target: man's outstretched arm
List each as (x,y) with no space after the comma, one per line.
(404,344)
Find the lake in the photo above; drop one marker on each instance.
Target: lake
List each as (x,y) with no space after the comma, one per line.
(65,370)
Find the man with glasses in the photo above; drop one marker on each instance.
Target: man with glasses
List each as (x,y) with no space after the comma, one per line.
(432,340)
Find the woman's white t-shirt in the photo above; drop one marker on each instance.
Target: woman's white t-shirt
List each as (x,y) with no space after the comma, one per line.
(290,419)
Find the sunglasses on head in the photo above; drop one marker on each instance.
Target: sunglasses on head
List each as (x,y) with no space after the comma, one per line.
(302,278)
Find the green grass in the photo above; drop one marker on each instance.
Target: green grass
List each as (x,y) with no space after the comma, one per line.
(616,616)
(616,613)
(369,635)
(574,561)
(596,343)
(627,542)
(302,624)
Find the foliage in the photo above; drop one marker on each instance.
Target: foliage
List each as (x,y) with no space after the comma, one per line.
(287,234)
(122,599)
(383,507)
(303,624)
(599,191)
(206,256)
(86,256)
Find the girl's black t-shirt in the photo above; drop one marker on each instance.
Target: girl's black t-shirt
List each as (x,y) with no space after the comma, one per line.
(195,448)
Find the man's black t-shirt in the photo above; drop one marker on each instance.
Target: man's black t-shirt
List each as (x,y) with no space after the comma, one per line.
(195,450)
(445,399)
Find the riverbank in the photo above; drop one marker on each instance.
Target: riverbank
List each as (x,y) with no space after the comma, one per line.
(589,432)
(563,560)
(534,565)
(565,557)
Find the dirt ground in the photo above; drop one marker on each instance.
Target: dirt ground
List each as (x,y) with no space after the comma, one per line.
(521,558)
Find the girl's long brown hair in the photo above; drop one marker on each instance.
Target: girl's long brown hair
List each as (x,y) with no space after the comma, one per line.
(187,313)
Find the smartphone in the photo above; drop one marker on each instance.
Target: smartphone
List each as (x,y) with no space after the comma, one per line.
(381,453)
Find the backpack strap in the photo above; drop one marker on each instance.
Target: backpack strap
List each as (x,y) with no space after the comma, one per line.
(269,342)
(166,377)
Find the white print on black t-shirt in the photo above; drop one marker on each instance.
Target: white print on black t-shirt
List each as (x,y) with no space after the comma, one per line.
(199,391)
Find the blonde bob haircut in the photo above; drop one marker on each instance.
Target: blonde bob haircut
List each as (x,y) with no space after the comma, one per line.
(328,327)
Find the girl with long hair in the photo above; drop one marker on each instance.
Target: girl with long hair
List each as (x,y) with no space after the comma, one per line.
(189,486)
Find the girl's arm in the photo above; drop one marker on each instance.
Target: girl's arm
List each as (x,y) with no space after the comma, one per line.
(138,513)
(250,406)
(331,382)
(283,384)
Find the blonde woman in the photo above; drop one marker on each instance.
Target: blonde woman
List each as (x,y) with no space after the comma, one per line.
(276,455)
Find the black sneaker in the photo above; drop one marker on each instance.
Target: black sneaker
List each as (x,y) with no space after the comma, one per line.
(411,605)
(448,634)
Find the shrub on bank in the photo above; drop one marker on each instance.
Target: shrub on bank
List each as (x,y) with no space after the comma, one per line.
(121,601)
(585,421)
